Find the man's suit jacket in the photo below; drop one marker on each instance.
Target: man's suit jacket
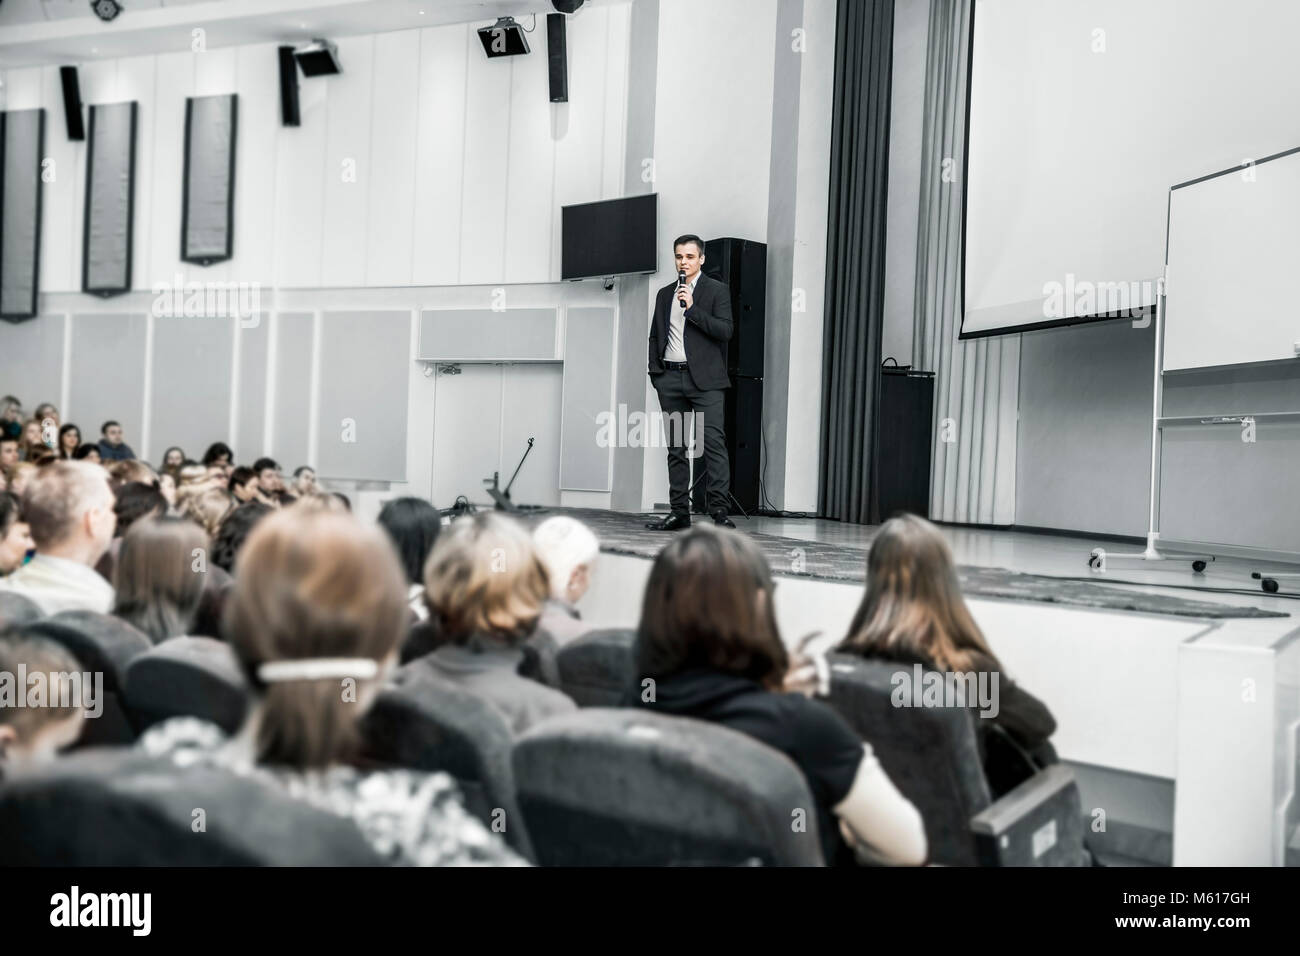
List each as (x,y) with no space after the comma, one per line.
(705,333)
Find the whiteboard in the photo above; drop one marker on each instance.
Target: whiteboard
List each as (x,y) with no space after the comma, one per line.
(1234,254)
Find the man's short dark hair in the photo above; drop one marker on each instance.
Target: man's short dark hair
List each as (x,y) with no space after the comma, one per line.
(240,477)
(103,429)
(297,472)
(262,464)
(689,237)
(8,438)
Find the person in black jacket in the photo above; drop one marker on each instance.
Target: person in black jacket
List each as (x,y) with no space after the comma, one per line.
(688,368)
(913,613)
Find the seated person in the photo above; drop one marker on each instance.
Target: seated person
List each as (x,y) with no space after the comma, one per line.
(69,510)
(111,445)
(15,537)
(412,524)
(158,578)
(315,620)
(33,735)
(708,647)
(485,588)
(568,549)
(913,613)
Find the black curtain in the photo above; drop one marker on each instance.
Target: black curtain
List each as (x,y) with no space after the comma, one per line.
(855,258)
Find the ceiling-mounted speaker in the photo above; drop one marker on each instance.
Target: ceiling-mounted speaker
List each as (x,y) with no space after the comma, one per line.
(557,57)
(318,58)
(503,38)
(72,103)
(289,114)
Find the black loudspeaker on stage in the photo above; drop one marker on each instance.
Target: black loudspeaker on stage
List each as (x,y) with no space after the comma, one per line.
(289,115)
(72,102)
(557,57)
(741,265)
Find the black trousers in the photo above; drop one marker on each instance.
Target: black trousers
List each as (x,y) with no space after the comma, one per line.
(681,400)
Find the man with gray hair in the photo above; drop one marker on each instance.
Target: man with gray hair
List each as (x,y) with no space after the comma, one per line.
(568,549)
(69,508)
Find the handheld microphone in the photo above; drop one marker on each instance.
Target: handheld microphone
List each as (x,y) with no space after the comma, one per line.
(681,282)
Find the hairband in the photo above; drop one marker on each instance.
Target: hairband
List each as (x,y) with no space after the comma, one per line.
(317,668)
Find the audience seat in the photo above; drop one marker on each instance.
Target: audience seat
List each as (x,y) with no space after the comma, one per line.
(103,644)
(596,669)
(186,676)
(627,787)
(931,755)
(119,807)
(423,722)
(17,609)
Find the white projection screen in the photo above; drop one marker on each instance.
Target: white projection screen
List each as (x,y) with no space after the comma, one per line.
(1082,115)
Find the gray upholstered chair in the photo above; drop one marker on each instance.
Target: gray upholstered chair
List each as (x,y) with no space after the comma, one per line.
(190,677)
(596,669)
(931,755)
(17,609)
(629,787)
(103,644)
(120,807)
(423,722)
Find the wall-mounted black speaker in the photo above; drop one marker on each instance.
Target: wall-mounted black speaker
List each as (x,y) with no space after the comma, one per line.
(557,57)
(289,115)
(72,103)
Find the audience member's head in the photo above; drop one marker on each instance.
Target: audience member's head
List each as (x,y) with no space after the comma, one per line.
(484,579)
(11,413)
(568,549)
(708,604)
(15,537)
(111,433)
(218,453)
(136,501)
(234,531)
(913,605)
(304,480)
(69,440)
(413,525)
(46,410)
(172,459)
(313,590)
(8,450)
(206,508)
(88,453)
(167,485)
(69,508)
(347,502)
(33,735)
(33,434)
(243,484)
(319,502)
(159,576)
(130,470)
(20,476)
(268,476)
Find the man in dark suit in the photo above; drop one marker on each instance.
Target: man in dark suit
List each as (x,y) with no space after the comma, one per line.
(688,367)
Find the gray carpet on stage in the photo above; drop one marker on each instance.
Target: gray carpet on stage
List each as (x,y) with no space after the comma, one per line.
(622,533)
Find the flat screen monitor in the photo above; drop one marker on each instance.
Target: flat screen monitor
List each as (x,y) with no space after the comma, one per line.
(609,238)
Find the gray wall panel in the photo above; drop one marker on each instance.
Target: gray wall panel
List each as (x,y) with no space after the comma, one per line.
(190,396)
(365,366)
(20,207)
(208,201)
(253,347)
(291,419)
(484,334)
(588,381)
(530,397)
(107,375)
(110,186)
(31,357)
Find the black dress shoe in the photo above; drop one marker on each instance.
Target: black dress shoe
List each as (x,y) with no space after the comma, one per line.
(721,520)
(673,522)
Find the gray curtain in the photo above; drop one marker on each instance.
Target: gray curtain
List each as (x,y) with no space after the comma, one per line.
(855,257)
(977,381)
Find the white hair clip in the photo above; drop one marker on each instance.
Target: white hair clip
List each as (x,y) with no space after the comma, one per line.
(318,668)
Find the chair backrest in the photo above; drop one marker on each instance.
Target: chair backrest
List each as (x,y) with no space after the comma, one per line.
(187,676)
(423,722)
(17,609)
(596,669)
(930,753)
(624,786)
(119,807)
(103,644)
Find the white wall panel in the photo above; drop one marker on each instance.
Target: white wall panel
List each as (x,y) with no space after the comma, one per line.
(531,398)
(466,433)
(166,127)
(257,142)
(348,170)
(60,232)
(487,141)
(440,153)
(618,21)
(299,191)
(531,162)
(395,125)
